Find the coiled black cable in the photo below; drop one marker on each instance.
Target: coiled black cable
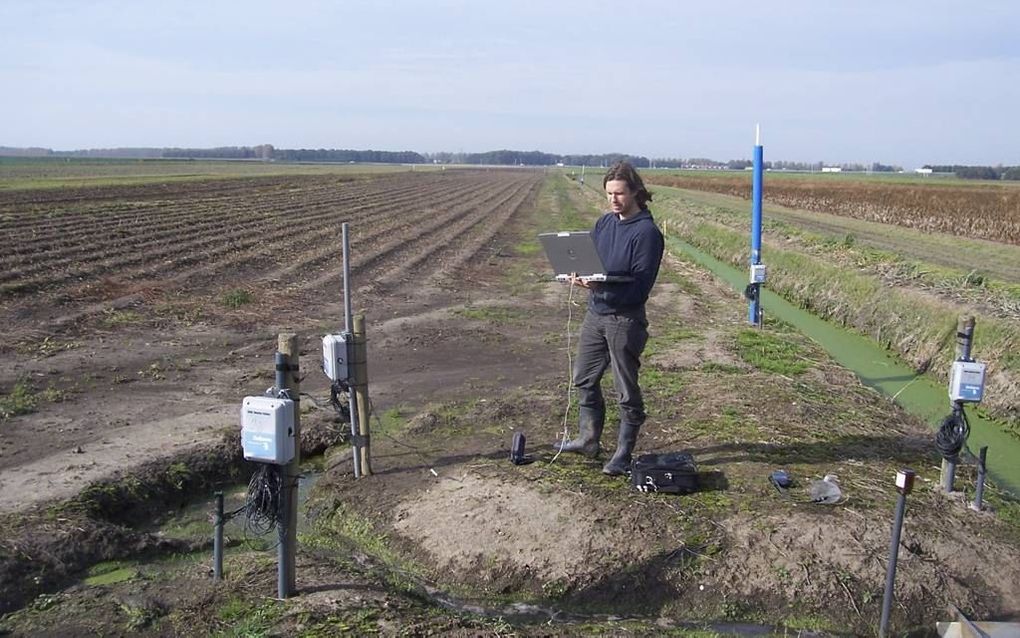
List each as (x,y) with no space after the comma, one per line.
(263,500)
(952,434)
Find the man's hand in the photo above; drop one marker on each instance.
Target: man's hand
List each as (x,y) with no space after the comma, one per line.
(577,281)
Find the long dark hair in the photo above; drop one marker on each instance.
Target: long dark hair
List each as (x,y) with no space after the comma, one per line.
(625,171)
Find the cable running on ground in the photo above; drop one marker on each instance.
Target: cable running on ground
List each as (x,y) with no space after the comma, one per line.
(570,373)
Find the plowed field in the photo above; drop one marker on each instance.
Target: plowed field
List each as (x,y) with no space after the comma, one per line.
(129,309)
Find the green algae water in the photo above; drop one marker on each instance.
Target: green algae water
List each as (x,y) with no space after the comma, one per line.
(919,395)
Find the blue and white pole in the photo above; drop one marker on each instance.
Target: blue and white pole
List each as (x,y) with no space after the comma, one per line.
(757,274)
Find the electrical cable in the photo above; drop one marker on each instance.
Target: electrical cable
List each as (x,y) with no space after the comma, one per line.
(952,434)
(570,374)
(378,422)
(231,515)
(263,502)
(340,399)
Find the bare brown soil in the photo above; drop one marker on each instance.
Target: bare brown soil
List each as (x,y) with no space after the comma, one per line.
(118,303)
(467,344)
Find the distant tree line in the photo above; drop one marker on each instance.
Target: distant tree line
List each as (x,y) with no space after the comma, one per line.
(534,158)
(268,152)
(504,157)
(977,172)
(347,155)
(263,152)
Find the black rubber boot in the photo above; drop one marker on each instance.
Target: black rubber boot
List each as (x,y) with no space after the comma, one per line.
(620,463)
(587,442)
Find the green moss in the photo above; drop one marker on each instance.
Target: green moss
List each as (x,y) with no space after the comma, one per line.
(354,622)
(237,297)
(661,382)
(771,353)
(493,314)
(112,318)
(22,399)
(572,470)
(710,367)
(249,619)
(119,575)
(178,475)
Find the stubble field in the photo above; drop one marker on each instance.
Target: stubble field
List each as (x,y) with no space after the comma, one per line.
(981,210)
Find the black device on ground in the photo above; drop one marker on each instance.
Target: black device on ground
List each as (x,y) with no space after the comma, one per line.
(671,473)
(517,455)
(780,479)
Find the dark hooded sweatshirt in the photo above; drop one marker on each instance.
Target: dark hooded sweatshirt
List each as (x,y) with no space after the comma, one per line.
(630,247)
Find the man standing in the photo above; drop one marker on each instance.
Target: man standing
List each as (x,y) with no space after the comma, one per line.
(615,328)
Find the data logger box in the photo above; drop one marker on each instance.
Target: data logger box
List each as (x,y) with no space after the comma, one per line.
(336,356)
(758,273)
(267,430)
(967,381)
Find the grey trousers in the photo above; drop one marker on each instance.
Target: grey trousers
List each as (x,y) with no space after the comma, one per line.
(616,340)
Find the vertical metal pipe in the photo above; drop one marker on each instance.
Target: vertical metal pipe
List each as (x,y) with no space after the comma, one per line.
(352,404)
(979,493)
(282,559)
(218,538)
(948,475)
(890,572)
(754,308)
(359,386)
(288,366)
(347,275)
(348,323)
(964,338)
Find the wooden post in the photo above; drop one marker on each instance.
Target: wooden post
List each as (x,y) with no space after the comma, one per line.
(288,345)
(360,391)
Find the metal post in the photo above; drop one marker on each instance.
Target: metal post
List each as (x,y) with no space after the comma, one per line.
(979,494)
(218,538)
(348,322)
(347,276)
(359,387)
(948,473)
(964,341)
(287,525)
(904,484)
(964,338)
(754,307)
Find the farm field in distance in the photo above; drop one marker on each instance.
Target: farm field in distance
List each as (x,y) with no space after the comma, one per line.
(138,312)
(983,210)
(18,173)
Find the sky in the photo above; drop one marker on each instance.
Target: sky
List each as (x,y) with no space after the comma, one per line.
(903,82)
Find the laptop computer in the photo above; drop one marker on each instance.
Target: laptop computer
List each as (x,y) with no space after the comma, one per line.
(574,252)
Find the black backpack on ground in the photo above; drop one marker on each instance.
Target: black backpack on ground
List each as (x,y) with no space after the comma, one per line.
(672,473)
